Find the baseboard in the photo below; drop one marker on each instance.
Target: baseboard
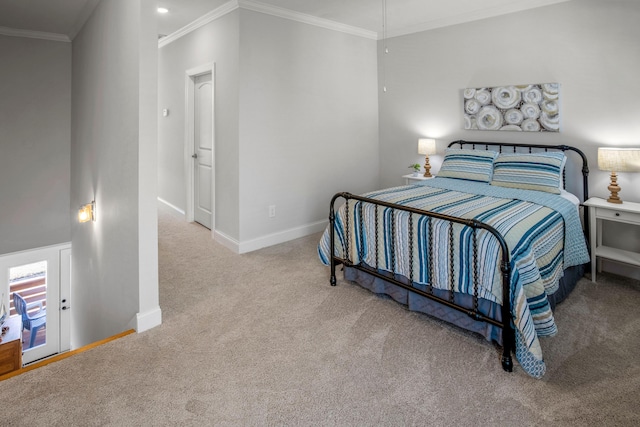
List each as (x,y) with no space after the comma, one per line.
(282,236)
(148,320)
(174,207)
(62,356)
(226,241)
(270,239)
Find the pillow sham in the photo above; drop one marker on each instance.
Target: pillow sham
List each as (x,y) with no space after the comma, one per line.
(561,181)
(474,165)
(535,171)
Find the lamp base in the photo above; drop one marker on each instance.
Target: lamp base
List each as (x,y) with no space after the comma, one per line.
(615,189)
(427,168)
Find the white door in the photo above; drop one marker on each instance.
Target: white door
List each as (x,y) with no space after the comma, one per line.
(203,150)
(36,276)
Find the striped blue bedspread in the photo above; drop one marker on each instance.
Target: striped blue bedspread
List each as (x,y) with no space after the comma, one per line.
(542,231)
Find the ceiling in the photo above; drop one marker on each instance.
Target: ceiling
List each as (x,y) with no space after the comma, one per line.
(66,17)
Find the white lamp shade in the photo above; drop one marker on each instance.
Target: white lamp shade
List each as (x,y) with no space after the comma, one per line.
(426,146)
(619,159)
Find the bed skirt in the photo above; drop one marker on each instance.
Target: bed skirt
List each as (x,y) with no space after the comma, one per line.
(415,302)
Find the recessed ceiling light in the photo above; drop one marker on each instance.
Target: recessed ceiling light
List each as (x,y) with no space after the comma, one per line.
(163,10)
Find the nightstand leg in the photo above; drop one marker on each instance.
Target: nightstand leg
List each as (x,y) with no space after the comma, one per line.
(593,230)
(598,244)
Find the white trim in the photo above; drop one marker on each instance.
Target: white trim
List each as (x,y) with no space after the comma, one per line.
(190,76)
(268,10)
(306,19)
(356,31)
(202,69)
(15,32)
(174,207)
(282,236)
(65,293)
(148,320)
(471,16)
(226,241)
(270,239)
(43,249)
(203,20)
(189,86)
(56,256)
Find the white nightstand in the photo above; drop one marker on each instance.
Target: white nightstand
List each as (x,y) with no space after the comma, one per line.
(601,210)
(412,179)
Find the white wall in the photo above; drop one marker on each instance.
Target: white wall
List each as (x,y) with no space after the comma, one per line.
(215,42)
(149,314)
(308,123)
(590,47)
(111,135)
(35,116)
(296,122)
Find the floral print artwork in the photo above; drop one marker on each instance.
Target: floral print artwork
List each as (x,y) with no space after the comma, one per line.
(529,108)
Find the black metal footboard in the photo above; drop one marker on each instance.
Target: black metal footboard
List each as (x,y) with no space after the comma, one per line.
(508,337)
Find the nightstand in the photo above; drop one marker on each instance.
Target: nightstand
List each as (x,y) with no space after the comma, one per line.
(412,179)
(601,210)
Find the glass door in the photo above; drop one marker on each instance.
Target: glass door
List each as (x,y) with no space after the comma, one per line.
(30,283)
(28,300)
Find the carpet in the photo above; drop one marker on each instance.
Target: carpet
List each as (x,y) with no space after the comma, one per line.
(262,339)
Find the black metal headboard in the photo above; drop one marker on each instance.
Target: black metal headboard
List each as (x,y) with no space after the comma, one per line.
(538,147)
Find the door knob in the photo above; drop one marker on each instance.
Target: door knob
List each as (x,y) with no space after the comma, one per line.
(195,155)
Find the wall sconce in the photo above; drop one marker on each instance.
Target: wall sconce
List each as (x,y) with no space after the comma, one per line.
(87,212)
(618,160)
(427,147)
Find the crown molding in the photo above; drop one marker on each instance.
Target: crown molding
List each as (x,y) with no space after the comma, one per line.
(14,32)
(268,10)
(203,20)
(280,12)
(471,16)
(306,19)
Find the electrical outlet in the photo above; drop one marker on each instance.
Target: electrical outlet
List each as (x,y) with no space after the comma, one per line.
(272,211)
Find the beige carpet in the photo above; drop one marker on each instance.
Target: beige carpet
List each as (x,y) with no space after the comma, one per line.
(262,339)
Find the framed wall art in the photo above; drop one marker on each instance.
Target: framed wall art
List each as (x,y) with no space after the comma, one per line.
(528,108)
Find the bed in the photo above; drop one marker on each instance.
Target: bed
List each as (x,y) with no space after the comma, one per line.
(491,244)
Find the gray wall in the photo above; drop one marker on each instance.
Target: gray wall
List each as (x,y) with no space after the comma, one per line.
(215,42)
(296,120)
(109,130)
(35,116)
(149,314)
(308,121)
(588,46)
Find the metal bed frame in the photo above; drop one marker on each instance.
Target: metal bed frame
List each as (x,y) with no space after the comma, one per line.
(508,335)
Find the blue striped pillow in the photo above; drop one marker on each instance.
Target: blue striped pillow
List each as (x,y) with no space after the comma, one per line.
(474,165)
(535,171)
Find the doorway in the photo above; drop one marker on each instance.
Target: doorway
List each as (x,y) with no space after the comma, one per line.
(35,287)
(200,145)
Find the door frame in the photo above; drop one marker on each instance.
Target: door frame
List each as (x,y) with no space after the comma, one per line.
(189,80)
(58,259)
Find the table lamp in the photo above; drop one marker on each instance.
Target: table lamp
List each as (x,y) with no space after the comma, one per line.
(426,147)
(618,160)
